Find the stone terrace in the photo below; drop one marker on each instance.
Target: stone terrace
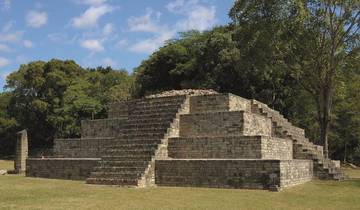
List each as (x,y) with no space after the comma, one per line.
(189,138)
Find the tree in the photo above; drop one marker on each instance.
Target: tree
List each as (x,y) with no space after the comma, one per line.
(8,126)
(215,59)
(313,38)
(51,98)
(327,42)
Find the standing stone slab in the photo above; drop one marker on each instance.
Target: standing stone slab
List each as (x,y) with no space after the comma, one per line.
(21,152)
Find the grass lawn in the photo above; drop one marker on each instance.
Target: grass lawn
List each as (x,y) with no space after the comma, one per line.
(19,192)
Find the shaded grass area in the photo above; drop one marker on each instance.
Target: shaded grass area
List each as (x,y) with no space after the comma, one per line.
(19,192)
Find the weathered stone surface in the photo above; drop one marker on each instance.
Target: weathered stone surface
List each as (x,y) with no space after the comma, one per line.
(218,103)
(189,92)
(82,147)
(101,127)
(249,147)
(3,172)
(232,173)
(21,152)
(189,138)
(224,124)
(61,168)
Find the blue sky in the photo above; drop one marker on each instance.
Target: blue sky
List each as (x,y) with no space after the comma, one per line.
(98,32)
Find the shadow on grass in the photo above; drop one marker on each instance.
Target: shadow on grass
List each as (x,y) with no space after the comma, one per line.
(354,182)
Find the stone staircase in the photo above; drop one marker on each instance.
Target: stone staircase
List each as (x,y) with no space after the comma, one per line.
(129,161)
(324,168)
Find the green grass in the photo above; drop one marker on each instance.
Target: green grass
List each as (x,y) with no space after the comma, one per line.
(19,192)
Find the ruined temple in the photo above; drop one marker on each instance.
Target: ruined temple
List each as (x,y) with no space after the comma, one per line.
(189,138)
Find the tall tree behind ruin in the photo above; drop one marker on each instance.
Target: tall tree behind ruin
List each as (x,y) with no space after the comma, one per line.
(316,40)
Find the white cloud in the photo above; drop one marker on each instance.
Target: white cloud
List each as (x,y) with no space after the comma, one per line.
(91,2)
(200,18)
(122,43)
(22,59)
(175,5)
(197,16)
(36,19)
(150,22)
(28,43)
(91,16)
(6,4)
(108,29)
(4,48)
(4,62)
(109,62)
(145,23)
(8,25)
(150,45)
(62,38)
(92,44)
(11,37)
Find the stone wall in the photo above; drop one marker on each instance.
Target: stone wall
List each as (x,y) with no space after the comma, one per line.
(295,172)
(219,103)
(253,174)
(61,168)
(101,127)
(237,103)
(276,148)
(224,124)
(248,147)
(209,103)
(118,110)
(81,147)
(227,173)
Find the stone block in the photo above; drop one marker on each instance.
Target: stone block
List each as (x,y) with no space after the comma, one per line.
(61,168)
(101,127)
(232,173)
(224,124)
(232,147)
(218,103)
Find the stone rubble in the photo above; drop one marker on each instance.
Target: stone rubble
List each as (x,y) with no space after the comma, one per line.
(190,92)
(3,172)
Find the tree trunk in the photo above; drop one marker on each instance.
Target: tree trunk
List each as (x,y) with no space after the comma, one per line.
(324,118)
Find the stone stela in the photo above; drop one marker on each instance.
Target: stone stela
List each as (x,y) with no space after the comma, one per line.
(21,152)
(196,138)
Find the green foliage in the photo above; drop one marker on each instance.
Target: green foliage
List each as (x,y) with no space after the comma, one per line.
(51,98)
(8,126)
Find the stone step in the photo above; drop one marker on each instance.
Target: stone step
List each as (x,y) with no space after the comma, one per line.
(277,117)
(141,136)
(159,101)
(119,170)
(132,125)
(143,130)
(151,120)
(156,115)
(109,181)
(121,142)
(126,158)
(133,146)
(127,163)
(155,107)
(115,175)
(131,152)
(154,110)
